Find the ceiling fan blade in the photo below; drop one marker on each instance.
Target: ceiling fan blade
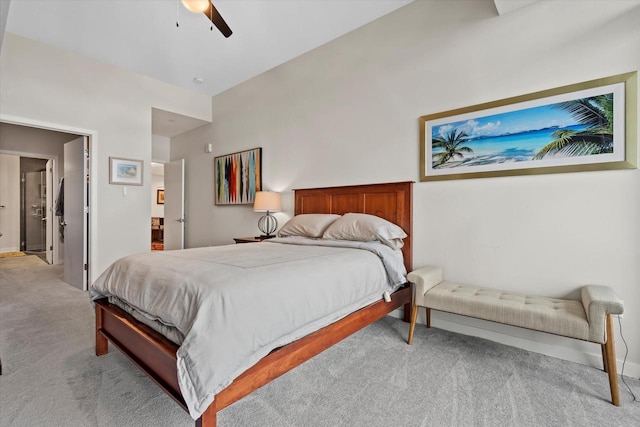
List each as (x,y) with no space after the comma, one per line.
(217,20)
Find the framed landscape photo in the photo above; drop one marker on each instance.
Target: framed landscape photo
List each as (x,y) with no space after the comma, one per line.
(582,127)
(237,177)
(125,171)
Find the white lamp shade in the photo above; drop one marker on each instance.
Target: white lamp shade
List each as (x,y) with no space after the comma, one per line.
(267,201)
(196,5)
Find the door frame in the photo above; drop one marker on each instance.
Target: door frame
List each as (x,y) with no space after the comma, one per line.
(92,136)
(50,214)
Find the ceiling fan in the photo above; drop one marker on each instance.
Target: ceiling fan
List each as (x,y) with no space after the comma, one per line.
(206,7)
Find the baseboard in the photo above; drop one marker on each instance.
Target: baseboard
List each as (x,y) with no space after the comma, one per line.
(10,249)
(551,345)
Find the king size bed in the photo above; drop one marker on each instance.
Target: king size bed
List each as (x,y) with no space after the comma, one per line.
(273,304)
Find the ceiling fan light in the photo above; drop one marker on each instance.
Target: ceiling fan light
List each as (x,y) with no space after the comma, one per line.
(197,6)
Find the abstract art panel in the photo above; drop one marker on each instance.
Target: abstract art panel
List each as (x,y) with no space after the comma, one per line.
(237,177)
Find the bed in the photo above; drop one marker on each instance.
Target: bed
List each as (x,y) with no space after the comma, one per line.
(156,355)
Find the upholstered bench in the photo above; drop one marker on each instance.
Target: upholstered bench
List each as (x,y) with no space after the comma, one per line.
(587,320)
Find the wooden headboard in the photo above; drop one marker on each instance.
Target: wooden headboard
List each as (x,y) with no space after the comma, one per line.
(392,201)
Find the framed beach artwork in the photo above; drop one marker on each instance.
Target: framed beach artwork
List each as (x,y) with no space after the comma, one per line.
(237,177)
(582,127)
(125,171)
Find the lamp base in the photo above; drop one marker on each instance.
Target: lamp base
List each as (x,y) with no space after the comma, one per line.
(268,224)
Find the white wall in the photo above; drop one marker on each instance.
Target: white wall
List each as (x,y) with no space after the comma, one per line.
(205,224)
(4,14)
(28,141)
(347,113)
(9,203)
(60,89)
(161,146)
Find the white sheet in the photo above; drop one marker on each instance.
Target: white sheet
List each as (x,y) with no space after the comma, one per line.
(234,304)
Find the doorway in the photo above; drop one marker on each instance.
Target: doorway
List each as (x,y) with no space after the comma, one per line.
(30,141)
(167,205)
(157,206)
(26,199)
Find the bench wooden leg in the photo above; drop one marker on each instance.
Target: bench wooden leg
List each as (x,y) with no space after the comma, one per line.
(412,326)
(428,317)
(604,358)
(611,362)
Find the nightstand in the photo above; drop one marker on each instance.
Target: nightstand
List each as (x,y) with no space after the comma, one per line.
(251,239)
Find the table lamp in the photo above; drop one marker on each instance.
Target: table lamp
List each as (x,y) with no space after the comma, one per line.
(267,201)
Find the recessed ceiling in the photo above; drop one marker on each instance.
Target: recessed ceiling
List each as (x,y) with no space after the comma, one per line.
(507,6)
(166,123)
(141,35)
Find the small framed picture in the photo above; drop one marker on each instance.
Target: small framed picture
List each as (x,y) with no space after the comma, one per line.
(160,197)
(125,171)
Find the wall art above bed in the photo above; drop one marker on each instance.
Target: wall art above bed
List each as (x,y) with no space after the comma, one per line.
(581,127)
(237,177)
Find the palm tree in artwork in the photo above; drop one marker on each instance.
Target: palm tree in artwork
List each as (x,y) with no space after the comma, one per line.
(452,146)
(596,113)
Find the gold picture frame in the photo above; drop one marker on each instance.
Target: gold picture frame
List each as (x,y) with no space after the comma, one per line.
(518,136)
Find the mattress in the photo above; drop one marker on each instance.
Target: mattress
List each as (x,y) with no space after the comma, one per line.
(232,305)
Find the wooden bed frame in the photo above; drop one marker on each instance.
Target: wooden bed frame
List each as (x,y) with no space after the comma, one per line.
(156,355)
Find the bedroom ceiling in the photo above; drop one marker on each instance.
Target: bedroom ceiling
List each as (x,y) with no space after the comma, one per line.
(141,35)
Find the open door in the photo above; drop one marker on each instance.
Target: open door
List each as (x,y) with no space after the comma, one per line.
(174,205)
(76,212)
(49,217)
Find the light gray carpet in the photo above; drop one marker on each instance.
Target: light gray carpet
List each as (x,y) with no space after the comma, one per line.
(51,377)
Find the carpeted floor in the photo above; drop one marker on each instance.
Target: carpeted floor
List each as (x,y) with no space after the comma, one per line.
(52,377)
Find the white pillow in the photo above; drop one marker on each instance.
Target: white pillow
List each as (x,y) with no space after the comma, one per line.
(366,228)
(307,225)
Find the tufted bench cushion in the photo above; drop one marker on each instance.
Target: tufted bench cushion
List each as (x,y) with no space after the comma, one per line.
(556,316)
(588,319)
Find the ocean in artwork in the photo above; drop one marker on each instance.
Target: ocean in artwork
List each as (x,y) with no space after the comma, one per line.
(525,135)
(517,147)
(126,170)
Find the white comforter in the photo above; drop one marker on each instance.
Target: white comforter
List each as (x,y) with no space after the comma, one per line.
(234,304)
